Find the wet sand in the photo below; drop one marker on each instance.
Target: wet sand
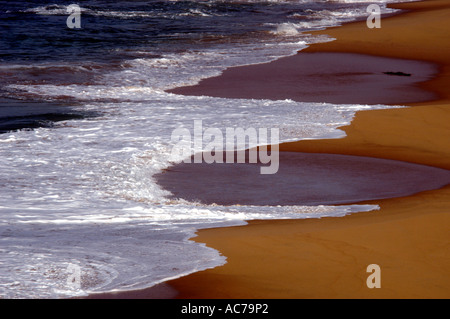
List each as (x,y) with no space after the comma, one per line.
(330,77)
(301,179)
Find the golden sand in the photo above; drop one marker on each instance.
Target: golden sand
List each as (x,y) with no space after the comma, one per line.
(408,237)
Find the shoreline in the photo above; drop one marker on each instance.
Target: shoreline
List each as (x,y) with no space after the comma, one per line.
(327,257)
(397,133)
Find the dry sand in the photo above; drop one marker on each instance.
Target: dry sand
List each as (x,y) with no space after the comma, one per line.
(408,237)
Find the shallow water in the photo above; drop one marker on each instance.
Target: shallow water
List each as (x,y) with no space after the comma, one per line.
(301,179)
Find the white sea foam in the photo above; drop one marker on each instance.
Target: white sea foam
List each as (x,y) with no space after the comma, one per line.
(58,10)
(287,29)
(85,189)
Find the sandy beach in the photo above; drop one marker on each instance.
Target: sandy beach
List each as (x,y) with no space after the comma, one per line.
(408,236)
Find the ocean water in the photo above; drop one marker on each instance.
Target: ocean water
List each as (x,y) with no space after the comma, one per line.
(86,125)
